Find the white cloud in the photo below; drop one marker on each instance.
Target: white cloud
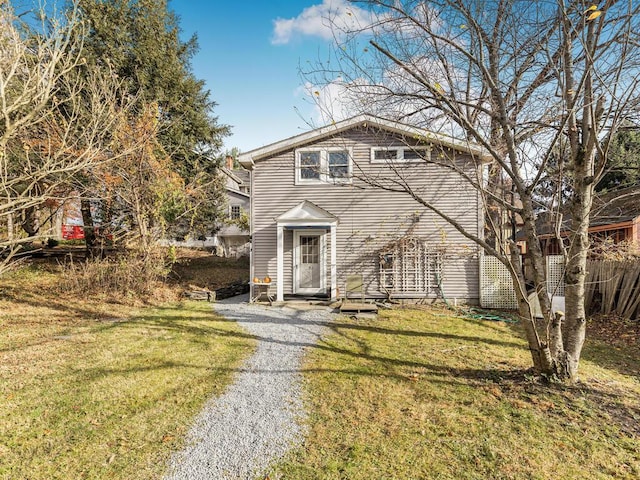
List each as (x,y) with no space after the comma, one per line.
(339,99)
(330,102)
(325,20)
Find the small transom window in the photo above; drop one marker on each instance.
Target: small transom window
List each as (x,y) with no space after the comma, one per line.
(415,153)
(385,154)
(400,154)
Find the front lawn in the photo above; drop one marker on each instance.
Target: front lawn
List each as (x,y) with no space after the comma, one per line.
(422,394)
(94,389)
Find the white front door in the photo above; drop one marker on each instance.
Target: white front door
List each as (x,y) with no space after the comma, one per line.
(309,262)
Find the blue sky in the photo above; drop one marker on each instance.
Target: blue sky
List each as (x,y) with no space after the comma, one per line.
(252,71)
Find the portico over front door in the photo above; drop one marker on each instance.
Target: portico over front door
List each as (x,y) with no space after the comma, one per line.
(309,265)
(314,263)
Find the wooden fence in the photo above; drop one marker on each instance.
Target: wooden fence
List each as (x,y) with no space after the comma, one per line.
(613,287)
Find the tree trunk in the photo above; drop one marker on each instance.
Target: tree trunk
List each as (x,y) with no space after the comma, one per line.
(542,350)
(540,356)
(89,229)
(10,234)
(583,141)
(540,353)
(574,327)
(30,222)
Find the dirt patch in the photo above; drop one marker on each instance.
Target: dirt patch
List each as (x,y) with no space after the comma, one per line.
(193,270)
(196,268)
(615,331)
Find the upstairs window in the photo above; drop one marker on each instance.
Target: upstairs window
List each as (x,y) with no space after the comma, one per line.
(319,166)
(383,154)
(417,154)
(310,166)
(338,164)
(400,154)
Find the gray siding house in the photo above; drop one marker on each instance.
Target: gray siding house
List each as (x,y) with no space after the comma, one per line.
(231,240)
(322,209)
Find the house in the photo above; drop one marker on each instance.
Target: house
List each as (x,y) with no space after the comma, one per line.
(615,219)
(232,239)
(316,218)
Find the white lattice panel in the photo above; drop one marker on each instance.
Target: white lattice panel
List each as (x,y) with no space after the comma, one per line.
(410,266)
(496,285)
(555,275)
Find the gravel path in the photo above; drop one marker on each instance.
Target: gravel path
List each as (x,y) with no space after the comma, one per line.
(256,421)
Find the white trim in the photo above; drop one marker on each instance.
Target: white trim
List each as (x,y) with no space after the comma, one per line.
(248,159)
(304,218)
(298,167)
(252,269)
(340,180)
(280,264)
(324,176)
(238,192)
(231,175)
(480,207)
(322,259)
(400,156)
(306,213)
(333,294)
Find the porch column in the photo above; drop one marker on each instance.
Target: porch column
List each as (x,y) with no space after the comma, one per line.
(334,275)
(280,264)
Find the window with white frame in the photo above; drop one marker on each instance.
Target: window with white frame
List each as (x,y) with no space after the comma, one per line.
(309,166)
(338,164)
(405,154)
(316,166)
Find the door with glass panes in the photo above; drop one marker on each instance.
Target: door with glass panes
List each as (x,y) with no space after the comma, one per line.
(309,264)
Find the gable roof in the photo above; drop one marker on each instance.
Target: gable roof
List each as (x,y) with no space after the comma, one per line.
(306,212)
(248,159)
(240,177)
(617,206)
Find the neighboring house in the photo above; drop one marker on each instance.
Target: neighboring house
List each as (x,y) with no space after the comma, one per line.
(615,218)
(315,219)
(231,239)
(68,220)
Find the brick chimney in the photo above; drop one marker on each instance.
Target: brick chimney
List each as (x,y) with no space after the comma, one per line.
(229,162)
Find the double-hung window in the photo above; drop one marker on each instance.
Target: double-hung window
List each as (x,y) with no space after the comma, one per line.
(338,163)
(309,166)
(318,166)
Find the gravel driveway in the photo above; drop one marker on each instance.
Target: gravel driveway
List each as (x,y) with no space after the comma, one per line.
(238,435)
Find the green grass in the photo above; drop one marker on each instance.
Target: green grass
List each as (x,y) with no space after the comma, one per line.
(92,390)
(420,394)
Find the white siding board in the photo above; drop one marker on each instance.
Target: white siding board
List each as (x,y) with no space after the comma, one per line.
(368,218)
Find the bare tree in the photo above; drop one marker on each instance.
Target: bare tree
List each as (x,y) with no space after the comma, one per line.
(54,122)
(542,86)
